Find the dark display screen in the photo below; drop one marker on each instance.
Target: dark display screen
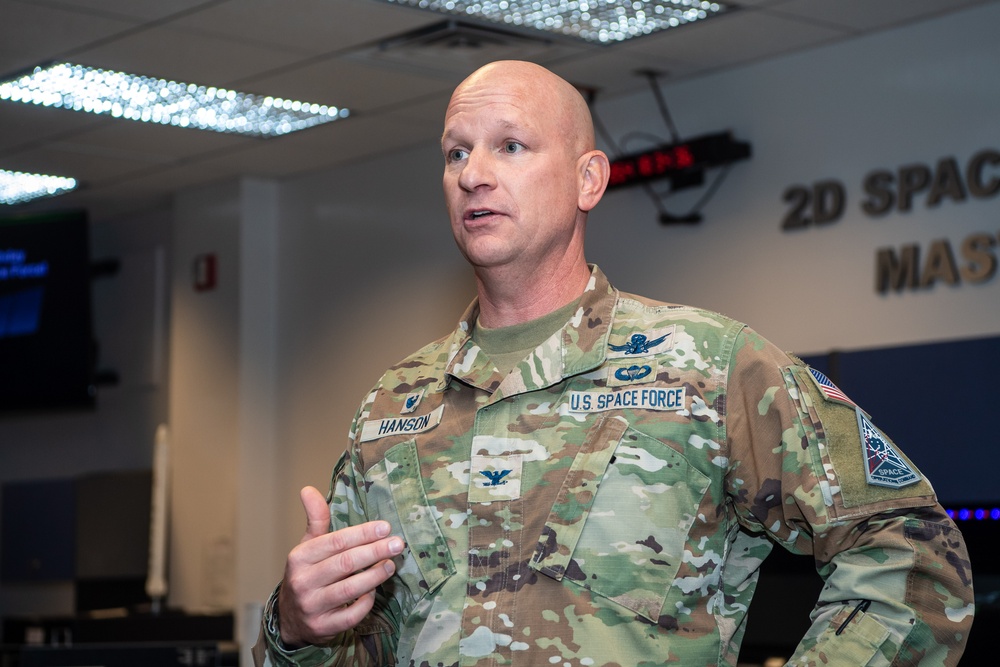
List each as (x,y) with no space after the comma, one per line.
(46,339)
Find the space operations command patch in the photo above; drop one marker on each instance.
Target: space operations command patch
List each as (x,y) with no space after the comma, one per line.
(884,466)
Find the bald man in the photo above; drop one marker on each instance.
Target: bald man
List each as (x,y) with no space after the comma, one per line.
(578,476)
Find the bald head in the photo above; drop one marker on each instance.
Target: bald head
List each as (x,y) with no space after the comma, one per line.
(521,174)
(542,92)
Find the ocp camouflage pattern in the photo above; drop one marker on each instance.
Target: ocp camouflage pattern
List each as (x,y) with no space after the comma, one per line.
(610,502)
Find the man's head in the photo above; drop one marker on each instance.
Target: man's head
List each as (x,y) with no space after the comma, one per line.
(521,171)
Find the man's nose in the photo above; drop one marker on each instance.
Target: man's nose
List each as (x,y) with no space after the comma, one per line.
(478,171)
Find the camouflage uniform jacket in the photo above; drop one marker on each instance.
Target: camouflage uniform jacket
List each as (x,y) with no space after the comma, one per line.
(609,502)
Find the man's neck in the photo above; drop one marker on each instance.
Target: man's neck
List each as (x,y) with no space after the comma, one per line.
(507,298)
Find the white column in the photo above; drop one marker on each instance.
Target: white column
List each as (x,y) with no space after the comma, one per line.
(258,564)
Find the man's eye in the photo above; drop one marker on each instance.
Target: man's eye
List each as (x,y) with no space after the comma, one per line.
(512,147)
(456,154)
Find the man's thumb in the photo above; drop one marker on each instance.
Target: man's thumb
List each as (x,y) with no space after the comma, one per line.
(317,513)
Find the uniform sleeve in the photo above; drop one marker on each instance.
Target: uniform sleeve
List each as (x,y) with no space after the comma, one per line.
(814,472)
(373,641)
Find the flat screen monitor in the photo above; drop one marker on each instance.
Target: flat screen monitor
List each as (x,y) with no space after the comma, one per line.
(46,334)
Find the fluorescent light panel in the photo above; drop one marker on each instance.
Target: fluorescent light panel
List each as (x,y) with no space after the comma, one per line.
(151,100)
(600,21)
(17,187)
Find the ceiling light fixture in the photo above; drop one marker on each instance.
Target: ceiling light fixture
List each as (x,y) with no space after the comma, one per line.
(599,21)
(152,100)
(17,187)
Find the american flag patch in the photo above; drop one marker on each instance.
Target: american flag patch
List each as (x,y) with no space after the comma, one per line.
(829,389)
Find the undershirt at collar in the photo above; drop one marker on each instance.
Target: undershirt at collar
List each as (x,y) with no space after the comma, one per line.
(507,346)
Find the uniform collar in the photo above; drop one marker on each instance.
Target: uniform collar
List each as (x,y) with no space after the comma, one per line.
(579,346)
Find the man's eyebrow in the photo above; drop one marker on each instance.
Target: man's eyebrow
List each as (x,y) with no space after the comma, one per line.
(504,125)
(446,138)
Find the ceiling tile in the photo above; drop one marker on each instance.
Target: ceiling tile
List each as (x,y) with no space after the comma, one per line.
(156,144)
(32,34)
(325,146)
(77,161)
(132,10)
(759,3)
(863,15)
(734,39)
(614,72)
(305,26)
(427,112)
(26,125)
(357,86)
(170,53)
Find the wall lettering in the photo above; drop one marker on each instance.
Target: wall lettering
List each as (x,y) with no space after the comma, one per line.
(947,180)
(820,204)
(823,202)
(909,269)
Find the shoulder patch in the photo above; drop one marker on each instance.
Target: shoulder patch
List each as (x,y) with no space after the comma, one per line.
(869,472)
(885,466)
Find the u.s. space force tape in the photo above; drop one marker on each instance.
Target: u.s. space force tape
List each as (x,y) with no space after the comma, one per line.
(631,398)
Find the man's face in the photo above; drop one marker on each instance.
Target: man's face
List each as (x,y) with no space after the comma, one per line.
(510,176)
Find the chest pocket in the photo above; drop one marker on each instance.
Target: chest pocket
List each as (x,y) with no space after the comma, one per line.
(396,494)
(621,519)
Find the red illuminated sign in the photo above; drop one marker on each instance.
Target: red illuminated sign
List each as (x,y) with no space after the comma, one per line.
(678,161)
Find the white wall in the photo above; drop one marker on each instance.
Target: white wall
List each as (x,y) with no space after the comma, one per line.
(204,401)
(222,402)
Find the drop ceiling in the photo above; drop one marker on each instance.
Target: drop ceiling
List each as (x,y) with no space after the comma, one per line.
(392,66)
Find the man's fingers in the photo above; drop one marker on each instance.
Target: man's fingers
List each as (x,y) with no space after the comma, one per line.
(317,512)
(346,617)
(330,577)
(356,584)
(332,556)
(324,612)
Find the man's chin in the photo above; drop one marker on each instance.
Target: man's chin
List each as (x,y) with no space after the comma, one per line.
(488,254)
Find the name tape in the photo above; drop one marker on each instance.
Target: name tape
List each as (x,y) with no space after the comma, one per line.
(380,428)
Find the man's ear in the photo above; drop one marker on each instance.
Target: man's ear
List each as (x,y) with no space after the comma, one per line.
(594,170)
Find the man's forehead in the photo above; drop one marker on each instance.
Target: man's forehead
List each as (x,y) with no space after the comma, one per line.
(500,108)
(500,116)
(486,94)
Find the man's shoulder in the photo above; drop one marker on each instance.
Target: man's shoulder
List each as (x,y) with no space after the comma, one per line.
(638,307)
(429,360)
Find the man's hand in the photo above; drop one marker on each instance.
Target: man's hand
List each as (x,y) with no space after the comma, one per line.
(330,578)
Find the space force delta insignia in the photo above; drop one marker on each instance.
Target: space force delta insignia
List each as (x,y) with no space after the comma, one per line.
(380,428)
(884,465)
